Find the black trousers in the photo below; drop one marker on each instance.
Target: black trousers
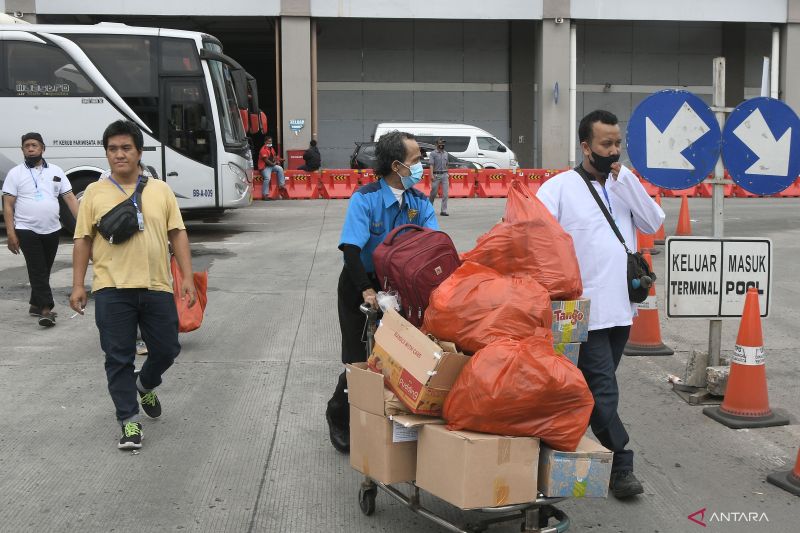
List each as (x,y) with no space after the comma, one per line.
(352,323)
(599,358)
(40,253)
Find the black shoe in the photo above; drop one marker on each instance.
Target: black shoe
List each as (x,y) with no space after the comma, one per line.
(340,438)
(47,320)
(444,214)
(131,436)
(624,484)
(34,311)
(150,404)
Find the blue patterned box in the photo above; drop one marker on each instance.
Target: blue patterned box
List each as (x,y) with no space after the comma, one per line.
(570,320)
(584,473)
(570,350)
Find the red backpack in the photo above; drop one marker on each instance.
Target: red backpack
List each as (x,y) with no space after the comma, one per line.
(413,264)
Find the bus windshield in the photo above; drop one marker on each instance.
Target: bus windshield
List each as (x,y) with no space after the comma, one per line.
(225,97)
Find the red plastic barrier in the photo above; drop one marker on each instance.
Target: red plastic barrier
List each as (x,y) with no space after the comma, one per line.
(301,185)
(793,191)
(651,189)
(669,193)
(337,184)
(424,186)
(533,178)
(739,192)
(462,183)
(367,176)
(706,190)
(494,182)
(256,184)
(294,159)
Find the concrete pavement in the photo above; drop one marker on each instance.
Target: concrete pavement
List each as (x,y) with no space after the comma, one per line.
(242,444)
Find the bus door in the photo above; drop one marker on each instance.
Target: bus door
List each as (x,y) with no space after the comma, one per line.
(187,134)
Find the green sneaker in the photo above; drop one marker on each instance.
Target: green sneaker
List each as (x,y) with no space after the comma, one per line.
(131,436)
(150,404)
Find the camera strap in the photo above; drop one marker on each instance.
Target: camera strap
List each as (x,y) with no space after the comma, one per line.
(582,173)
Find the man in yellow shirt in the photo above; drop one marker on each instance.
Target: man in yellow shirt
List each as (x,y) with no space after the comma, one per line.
(132,281)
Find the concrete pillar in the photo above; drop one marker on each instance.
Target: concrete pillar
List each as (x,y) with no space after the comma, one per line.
(552,117)
(733,49)
(295,81)
(790,49)
(522,97)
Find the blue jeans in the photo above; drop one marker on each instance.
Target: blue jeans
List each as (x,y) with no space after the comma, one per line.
(598,360)
(267,173)
(117,314)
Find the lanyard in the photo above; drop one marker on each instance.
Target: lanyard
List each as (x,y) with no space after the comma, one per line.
(608,200)
(133,196)
(35,183)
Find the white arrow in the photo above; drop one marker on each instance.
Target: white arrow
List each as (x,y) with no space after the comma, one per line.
(773,156)
(664,149)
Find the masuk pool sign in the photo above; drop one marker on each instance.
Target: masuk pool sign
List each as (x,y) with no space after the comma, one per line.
(708,278)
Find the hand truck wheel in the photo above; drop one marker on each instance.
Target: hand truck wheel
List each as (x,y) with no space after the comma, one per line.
(366,499)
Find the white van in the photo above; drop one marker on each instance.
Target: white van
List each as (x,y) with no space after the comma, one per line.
(461,140)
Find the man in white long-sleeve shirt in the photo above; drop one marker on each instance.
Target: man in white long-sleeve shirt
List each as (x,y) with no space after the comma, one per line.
(603,263)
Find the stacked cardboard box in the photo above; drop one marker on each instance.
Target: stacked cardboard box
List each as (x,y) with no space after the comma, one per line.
(570,326)
(584,473)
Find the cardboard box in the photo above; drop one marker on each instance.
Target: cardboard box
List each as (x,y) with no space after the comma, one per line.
(473,470)
(570,320)
(385,449)
(417,369)
(584,473)
(570,350)
(365,390)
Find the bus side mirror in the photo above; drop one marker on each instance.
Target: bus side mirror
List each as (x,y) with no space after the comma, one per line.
(502,148)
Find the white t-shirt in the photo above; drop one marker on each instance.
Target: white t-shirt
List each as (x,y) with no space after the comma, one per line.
(36,207)
(398,193)
(602,258)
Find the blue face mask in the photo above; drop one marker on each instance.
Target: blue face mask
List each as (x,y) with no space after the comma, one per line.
(413,178)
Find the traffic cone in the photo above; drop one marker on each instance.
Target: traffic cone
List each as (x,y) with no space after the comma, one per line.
(660,235)
(789,480)
(646,243)
(684,223)
(645,336)
(746,403)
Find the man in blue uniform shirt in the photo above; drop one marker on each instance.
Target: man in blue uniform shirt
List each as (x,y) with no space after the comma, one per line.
(374,210)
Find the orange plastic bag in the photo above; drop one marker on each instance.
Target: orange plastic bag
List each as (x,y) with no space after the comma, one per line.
(477,305)
(189,318)
(530,240)
(522,388)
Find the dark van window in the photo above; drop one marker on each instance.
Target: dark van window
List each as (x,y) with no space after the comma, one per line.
(126,61)
(188,126)
(43,70)
(179,56)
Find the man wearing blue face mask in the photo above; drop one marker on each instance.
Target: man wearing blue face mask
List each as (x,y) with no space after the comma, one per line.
(374,210)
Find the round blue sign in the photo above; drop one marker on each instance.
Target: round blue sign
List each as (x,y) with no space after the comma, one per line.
(761,145)
(673,139)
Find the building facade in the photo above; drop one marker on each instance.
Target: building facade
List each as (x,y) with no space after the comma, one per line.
(524,70)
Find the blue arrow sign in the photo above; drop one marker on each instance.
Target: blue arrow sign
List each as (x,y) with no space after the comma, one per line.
(673,139)
(761,145)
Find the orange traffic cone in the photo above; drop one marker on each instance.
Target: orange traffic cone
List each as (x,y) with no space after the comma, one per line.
(684,223)
(646,243)
(746,404)
(645,337)
(788,480)
(660,236)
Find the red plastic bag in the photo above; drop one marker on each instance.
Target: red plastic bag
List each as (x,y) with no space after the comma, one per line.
(189,318)
(477,305)
(524,389)
(530,240)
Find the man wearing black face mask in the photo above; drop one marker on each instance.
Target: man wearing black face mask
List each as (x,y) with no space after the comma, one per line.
(604,272)
(30,208)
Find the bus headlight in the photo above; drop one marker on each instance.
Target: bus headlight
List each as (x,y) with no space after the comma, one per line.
(238,172)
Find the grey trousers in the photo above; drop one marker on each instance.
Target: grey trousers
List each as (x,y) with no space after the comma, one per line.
(444,179)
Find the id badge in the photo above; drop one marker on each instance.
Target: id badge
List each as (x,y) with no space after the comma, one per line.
(38,196)
(140,220)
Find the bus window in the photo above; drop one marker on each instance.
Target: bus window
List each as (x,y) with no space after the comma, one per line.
(232,129)
(188,129)
(126,61)
(40,70)
(179,56)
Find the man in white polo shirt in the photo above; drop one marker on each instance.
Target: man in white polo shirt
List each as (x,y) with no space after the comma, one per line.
(30,208)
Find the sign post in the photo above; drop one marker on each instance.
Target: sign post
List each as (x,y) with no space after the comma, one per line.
(717,202)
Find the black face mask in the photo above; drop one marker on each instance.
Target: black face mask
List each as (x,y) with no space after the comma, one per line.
(32,161)
(603,163)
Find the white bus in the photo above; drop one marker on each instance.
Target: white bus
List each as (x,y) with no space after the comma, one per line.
(192,102)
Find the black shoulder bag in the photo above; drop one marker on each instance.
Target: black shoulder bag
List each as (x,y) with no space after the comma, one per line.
(122,221)
(640,276)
